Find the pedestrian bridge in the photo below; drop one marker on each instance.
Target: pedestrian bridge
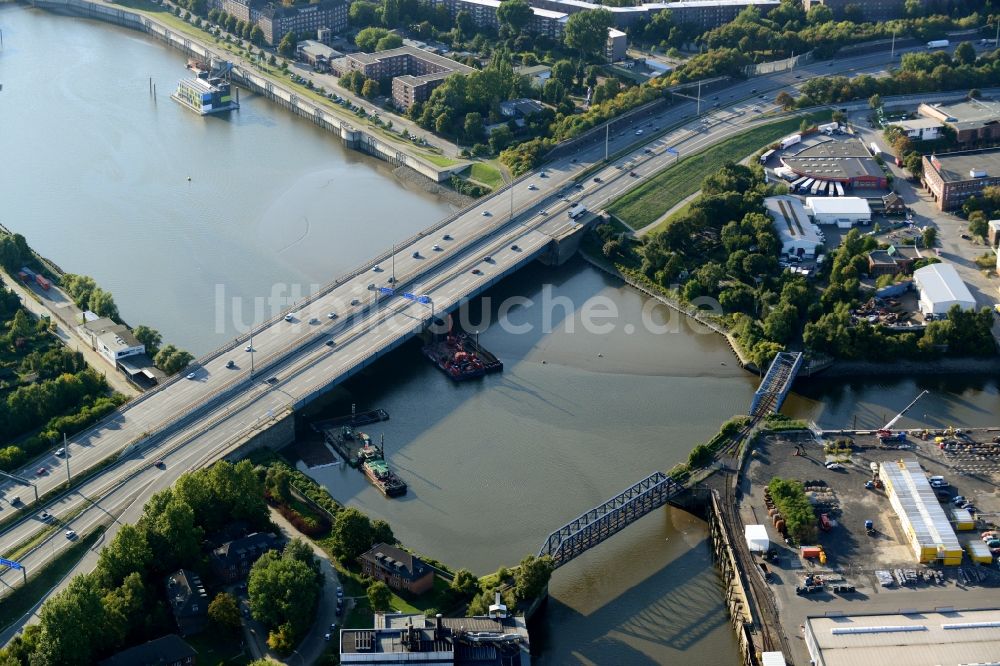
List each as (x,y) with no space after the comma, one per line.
(776,384)
(604,521)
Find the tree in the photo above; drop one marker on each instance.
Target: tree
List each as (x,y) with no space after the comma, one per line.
(103,304)
(286,46)
(914,163)
(515,14)
(282,590)
(564,71)
(390,41)
(351,534)
(369,89)
(473,126)
(465,583)
(129,551)
(367,39)
(382,533)
(465,23)
(784,100)
(875,101)
(532,576)
(257,36)
(380,596)
(965,54)
(587,31)
(73,625)
(928,237)
(170,359)
(978,224)
(362,14)
(818,14)
(975,93)
(224,612)
(149,337)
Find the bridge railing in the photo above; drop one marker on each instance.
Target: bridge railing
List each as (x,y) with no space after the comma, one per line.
(609,518)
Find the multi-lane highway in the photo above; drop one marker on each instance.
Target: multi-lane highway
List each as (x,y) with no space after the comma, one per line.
(192,420)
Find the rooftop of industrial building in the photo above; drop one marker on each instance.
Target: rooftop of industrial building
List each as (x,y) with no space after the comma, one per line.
(927,520)
(969,114)
(790,220)
(956,167)
(838,205)
(834,160)
(941,283)
(919,638)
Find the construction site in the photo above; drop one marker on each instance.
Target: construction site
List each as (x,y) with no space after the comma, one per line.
(899,521)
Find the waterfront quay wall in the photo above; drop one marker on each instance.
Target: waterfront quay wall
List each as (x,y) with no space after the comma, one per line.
(352,137)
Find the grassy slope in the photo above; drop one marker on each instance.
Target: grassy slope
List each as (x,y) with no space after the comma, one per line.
(646,203)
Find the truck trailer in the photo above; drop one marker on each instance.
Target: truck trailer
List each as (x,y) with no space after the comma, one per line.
(938,44)
(790,141)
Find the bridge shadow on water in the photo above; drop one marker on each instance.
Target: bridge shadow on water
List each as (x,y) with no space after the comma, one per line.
(668,615)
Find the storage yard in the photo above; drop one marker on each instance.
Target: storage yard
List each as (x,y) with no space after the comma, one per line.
(891,532)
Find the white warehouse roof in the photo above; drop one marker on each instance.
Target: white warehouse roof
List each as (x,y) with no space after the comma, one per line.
(757,539)
(792,224)
(839,206)
(925,638)
(941,287)
(917,506)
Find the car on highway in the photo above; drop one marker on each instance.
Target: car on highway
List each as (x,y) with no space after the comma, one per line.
(313,320)
(756,109)
(355,301)
(70,534)
(60,452)
(597,179)
(436,248)
(288,317)
(191,375)
(15,500)
(638,132)
(41,471)
(543,212)
(476,271)
(966,237)
(648,151)
(271,380)
(391,280)
(486,213)
(515,248)
(448,236)
(532,187)
(488,259)
(248,348)
(45,516)
(330,343)
(230,364)
(578,186)
(332,315)
(633,174)
(340,592)
(415,255)
(326,637)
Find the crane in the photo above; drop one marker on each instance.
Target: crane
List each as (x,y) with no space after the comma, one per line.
(885,432)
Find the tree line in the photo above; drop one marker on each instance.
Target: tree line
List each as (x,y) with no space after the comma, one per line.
(122,602)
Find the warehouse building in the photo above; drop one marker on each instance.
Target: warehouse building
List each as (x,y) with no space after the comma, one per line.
(974,120)
(849,163)
(845,212)
(798,236)
(924,522)
(954,177)
(916,638)
(940,288)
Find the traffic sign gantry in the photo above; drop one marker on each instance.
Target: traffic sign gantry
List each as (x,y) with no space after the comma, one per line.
(15,565)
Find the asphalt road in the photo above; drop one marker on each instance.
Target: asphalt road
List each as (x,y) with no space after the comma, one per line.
(189,422)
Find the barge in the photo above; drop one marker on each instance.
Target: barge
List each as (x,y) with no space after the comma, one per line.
(461,358)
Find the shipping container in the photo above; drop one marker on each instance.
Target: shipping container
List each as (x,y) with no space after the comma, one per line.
(810,552)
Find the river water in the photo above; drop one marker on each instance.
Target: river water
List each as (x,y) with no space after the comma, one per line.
(95,175)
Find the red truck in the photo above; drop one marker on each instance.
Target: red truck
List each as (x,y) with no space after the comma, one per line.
(824,522)
(43,282)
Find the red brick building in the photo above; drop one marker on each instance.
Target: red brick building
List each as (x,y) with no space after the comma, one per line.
(397,569)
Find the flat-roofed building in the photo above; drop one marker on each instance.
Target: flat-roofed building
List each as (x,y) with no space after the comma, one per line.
(616,46)
(892,261)
(974,120)
(698,14)
(845,212)
(797,234)
(954,177)
(925,525)
(921,129)
(928,637)
(277,20)
(111,340)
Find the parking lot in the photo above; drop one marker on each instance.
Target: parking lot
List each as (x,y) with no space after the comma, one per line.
(854,557)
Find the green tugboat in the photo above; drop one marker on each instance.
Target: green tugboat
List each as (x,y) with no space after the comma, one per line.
(378,472)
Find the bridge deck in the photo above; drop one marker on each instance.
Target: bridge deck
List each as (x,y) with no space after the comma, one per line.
(609,518)
(776,384)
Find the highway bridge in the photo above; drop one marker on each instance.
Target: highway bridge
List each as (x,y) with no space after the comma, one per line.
(303,353)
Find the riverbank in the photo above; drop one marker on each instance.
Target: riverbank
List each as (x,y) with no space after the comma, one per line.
(988,367)
(411,177)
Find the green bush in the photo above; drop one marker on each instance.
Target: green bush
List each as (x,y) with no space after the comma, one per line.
(789,497)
